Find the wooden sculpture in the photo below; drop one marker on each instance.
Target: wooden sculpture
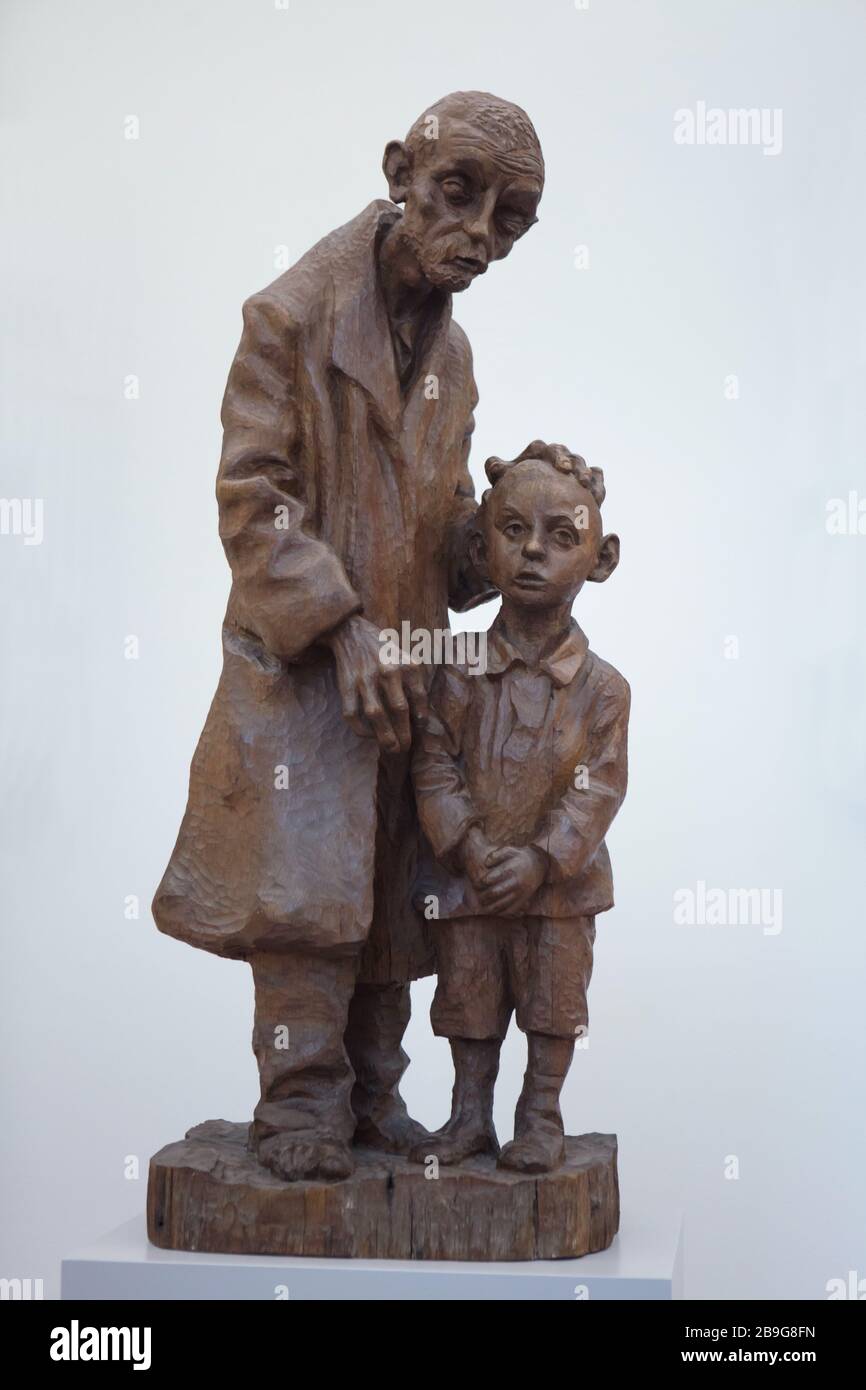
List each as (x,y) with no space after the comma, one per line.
(348,515)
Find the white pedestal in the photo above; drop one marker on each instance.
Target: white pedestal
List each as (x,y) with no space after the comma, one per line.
(644,1262)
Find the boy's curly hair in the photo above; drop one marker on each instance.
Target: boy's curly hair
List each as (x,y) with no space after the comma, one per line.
(560,458)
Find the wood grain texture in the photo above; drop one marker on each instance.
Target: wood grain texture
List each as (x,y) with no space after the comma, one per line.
(208,1193)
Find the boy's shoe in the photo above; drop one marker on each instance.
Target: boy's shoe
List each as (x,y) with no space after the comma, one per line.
(538,1149)
(538,1145)
(457,1140)
(388,1127)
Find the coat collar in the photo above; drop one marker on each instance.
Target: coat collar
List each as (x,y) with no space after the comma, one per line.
(362,346)
(561,665)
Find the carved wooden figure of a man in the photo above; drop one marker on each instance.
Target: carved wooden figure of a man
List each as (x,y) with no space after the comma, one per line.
(345,502)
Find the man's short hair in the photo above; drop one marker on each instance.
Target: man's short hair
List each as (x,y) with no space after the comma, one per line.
(507,125)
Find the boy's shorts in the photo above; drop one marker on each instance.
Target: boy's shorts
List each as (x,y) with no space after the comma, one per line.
(489,967)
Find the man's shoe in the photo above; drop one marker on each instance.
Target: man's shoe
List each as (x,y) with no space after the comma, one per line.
(296,1157)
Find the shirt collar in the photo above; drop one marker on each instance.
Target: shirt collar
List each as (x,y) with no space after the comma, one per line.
(561,665)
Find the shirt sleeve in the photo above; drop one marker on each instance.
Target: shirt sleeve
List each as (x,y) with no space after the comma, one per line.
(576,826)
(445,807)
(290,586)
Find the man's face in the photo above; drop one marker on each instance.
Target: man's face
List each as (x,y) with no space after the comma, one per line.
(542,537)
(467,202)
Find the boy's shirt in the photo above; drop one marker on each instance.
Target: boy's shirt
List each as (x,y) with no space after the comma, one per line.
(535,756)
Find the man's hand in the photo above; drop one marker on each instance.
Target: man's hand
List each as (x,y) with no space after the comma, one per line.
(377,697)
(513,875)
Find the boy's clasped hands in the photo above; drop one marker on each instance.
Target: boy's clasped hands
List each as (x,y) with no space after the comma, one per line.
(505,877)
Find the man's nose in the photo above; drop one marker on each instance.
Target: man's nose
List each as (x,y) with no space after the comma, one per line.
(479,227)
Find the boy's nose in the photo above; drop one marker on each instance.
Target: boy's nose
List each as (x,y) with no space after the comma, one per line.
(533,547)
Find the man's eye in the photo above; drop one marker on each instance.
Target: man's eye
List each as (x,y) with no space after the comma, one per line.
(510,223)
(455,190)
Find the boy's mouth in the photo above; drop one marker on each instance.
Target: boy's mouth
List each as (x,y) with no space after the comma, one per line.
(530,579)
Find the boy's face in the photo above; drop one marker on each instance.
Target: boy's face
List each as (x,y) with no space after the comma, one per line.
(544,537)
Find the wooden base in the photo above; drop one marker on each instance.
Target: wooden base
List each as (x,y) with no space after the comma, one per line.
(207,1193)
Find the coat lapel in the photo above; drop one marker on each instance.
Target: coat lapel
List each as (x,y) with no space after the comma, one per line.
(423,407)
(362,348)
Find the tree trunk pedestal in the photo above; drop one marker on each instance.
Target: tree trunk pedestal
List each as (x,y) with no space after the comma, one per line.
(208,1193)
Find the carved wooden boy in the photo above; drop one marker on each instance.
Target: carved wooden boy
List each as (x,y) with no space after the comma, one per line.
(517,779)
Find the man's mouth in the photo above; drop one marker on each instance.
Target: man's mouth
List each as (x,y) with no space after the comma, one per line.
(470,265)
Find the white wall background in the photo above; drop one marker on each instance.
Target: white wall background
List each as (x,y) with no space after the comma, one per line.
(261,127)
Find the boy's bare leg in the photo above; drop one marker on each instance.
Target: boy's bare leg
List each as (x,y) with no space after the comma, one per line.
(538,1145)
(470,1129)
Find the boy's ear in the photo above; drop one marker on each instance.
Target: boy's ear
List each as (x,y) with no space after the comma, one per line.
(478,554)
(397,165)
(607,561)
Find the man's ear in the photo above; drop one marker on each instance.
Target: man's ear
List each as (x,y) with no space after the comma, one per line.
(397,166)
(608,559)
(478,554)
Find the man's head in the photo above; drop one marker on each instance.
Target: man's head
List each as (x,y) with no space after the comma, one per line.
(470,173)
(540,535)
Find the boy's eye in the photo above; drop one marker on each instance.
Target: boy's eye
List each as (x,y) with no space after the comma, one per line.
(513,530)
(564,537)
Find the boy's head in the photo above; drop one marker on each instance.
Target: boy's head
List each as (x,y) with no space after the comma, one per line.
(539,534)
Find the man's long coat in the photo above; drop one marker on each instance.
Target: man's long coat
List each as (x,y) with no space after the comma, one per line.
(337,493)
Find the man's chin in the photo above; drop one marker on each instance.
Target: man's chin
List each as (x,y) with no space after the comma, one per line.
(450,277)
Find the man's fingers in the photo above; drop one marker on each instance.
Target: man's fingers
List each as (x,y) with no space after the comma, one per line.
(413,683)
(398,707)
(349,697)
(497,856)
(379,721)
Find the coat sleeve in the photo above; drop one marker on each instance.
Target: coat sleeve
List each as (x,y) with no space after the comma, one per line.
(289,586)
(445,807)
(466,587)
(576,826)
